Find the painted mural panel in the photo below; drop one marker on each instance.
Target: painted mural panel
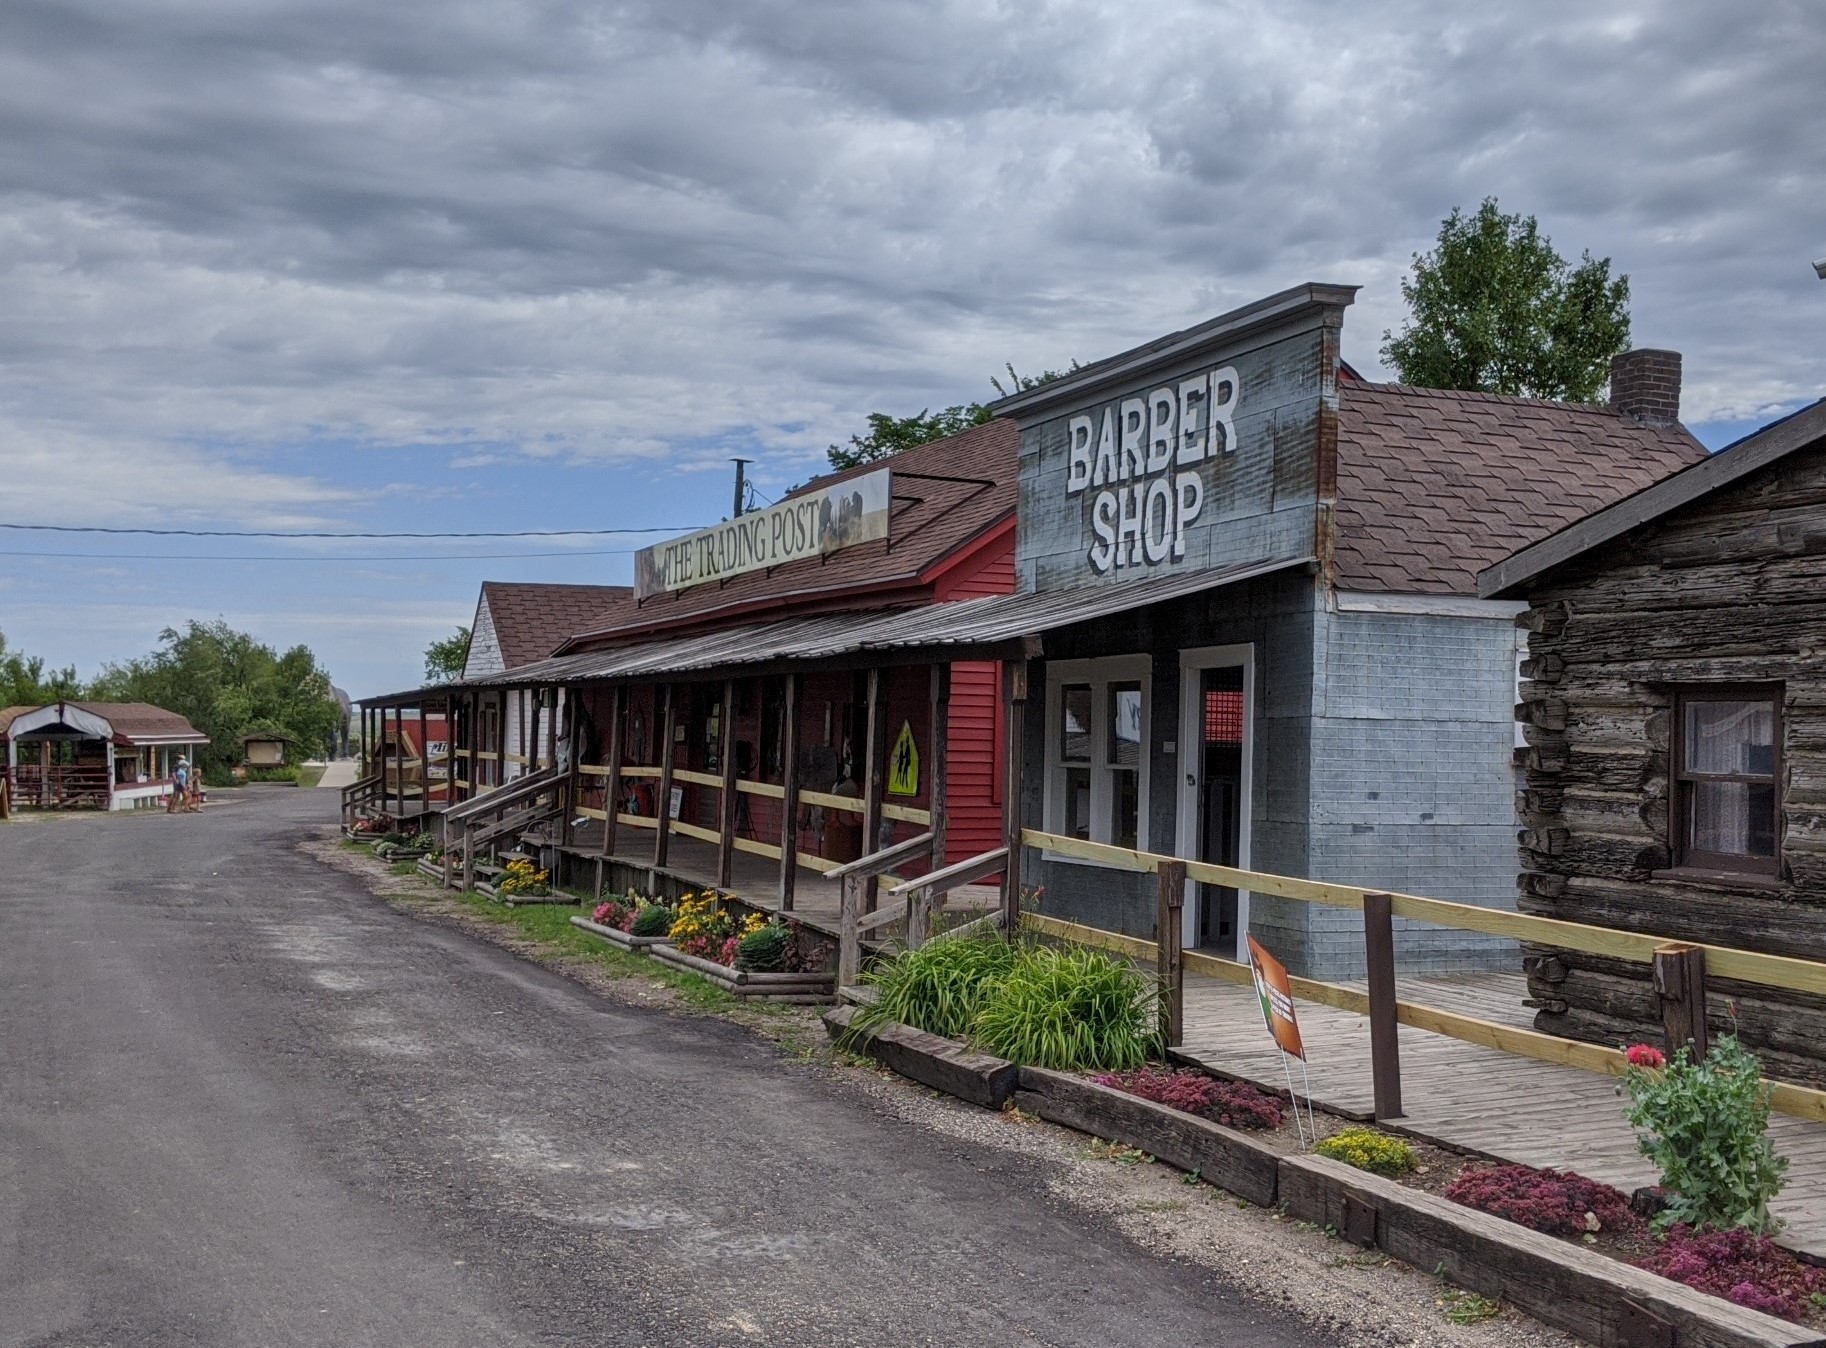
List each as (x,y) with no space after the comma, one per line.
(1210,459)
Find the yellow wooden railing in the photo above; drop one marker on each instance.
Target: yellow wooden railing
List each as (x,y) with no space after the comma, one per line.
(1726,962)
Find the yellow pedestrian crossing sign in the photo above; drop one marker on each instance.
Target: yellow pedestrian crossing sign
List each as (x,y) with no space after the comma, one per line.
(903,764)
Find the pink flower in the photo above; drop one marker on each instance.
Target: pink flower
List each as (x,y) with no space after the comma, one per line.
(1645,1055)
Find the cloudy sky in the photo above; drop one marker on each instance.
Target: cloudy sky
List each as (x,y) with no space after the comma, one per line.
(509,265)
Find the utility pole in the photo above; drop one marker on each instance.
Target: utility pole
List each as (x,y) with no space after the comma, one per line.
(741,486)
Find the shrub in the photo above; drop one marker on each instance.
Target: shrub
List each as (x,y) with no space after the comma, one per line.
(1072,1010)
(1555,1201)
(1183,1088)
(939,987)
(1740,1266)
(1235,1104)
(273,772)
(764,950)
(1240,1105)
(1705,1126)
(1369,1150)
(652,920)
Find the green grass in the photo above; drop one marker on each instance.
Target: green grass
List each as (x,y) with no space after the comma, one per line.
(311,773)
(550,925)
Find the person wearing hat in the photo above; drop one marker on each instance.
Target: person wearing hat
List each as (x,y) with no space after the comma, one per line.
(179,799)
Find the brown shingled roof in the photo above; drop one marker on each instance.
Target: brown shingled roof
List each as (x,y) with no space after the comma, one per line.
(533,620)
(946,494)
(131,722)
(1435,485)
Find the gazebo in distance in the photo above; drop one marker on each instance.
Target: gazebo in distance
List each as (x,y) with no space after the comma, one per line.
(94,755)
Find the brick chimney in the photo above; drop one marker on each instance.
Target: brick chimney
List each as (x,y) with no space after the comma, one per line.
(1645,386)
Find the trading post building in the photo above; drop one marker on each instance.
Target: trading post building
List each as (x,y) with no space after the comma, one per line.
(1228,612)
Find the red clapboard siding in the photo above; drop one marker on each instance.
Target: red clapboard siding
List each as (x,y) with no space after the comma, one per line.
(974,822)
(986,571)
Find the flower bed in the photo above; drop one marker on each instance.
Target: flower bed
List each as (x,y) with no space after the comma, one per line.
(1553,1278)
(629,921)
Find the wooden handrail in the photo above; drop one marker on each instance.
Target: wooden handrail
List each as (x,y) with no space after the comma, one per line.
(492,802)
(948,878)
(880,863)
(1777,971)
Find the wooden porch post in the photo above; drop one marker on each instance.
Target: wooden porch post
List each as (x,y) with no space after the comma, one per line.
(1014,690)
(500,772)
(874,771)
(1171,964)
(938,759)
(1680,987)
(1384,1029)
(399,799)
(662,831)
(725,838)
(611,796)
(789,801)
(520,699)
(551,727)
(575,778)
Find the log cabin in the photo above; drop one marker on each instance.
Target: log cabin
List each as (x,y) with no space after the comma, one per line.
(1674,707)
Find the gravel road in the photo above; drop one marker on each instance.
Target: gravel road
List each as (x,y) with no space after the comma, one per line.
(244,1102)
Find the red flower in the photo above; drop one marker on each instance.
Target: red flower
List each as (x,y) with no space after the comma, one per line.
(1645,1055)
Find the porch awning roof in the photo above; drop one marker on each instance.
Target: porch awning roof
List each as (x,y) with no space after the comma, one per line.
(997,627)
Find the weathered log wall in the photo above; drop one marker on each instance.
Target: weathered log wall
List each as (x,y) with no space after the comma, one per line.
(1729,589)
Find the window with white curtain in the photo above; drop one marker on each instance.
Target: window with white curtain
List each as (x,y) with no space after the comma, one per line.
(1727,750)
(1096,742)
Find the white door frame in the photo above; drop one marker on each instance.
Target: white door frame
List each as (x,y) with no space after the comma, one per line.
(1192,664)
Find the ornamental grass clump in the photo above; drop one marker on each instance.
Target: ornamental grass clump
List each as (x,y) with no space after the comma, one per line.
(1558,1202)
(1071,1010)
(1705,1126)
(1367,1149)
(939,987)
(1741,1266)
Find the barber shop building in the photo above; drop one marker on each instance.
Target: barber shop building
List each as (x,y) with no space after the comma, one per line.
(1281,661)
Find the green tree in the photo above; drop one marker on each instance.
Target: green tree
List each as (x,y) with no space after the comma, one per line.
(444,660)
(228,684)
(1495,308)
(24,681)
(888,435)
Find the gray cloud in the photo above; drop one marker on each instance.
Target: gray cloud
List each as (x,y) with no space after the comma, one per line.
(555,225)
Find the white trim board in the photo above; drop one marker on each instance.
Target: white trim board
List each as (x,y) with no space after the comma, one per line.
(1193,662)
(1429,605)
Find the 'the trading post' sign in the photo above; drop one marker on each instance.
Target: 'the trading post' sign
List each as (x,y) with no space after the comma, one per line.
(812,524)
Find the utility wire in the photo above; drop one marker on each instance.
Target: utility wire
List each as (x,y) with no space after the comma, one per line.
(380,557)
(271,533)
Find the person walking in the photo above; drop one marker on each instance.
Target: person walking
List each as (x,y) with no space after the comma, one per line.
(179,799)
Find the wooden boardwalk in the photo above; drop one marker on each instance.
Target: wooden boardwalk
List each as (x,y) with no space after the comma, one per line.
(1477,1099)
